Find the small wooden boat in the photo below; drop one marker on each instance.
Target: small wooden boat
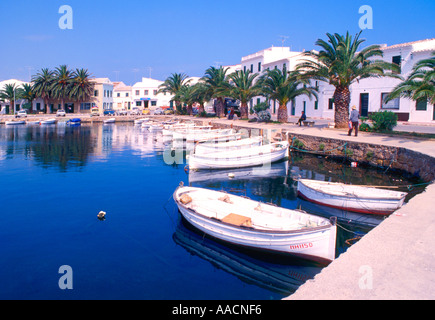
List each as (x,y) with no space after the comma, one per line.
(74,122)
(254,156)
(351,197)
(48,121)
(14,122)
(110,120)
(249,223)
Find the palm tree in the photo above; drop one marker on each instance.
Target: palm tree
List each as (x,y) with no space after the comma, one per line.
(185,95)
(201,94)
(42,83)
(340,64)
(244,88)
(82,87)
(10,92)
(420,84)
(62,84)
(217,81)
(284,86)
(173,84)
(28,93)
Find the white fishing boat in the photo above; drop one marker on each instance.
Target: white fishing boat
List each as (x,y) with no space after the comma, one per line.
(351,197)
(140,121)
(155,128)
(249,223)
(14,122)
(48,121)
(239,158)
(199,134)
(110,120)
(219,146)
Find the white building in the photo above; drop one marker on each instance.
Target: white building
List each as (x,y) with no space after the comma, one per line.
(122,97)
(103,96)
(145,95)
(367,94)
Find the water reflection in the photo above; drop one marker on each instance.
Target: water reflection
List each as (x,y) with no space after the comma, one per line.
(272,273)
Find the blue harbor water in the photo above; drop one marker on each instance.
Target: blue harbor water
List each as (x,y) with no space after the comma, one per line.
(54,180)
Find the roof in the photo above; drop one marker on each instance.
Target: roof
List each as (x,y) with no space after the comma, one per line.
(425,44)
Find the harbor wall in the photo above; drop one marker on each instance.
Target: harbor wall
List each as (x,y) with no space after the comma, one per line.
(407,162)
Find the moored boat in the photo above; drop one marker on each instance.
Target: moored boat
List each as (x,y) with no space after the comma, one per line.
(110,120)
(14,122)
(74,122)
(239,158)
(354,198)
(249,223)
(48,121)
(209,147)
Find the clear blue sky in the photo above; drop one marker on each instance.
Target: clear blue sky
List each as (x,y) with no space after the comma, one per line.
(125,38)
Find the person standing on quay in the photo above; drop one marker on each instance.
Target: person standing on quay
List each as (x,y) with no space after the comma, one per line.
(353,121)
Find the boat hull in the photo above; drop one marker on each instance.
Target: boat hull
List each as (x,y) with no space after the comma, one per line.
(239,158)
(316,244)
(352,203)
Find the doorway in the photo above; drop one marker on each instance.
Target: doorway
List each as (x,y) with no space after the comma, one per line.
(364,104)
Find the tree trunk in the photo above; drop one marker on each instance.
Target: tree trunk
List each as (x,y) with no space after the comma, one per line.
(189,109)
(282,113)
(220,107)
(201,108)
(244,111)
(12,110)
(341,102)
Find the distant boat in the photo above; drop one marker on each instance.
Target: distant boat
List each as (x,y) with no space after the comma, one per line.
(252,224)
(110,120)
(351,197)
(74,122)
(254,156)
(155,127)
(48,121)
(140,121)
(14,122)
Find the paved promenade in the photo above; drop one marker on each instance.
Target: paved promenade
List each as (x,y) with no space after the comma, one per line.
(396,260)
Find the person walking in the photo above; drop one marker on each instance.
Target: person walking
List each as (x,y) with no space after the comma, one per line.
(353,121)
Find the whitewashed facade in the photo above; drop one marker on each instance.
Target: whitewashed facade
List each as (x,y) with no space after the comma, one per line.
(145,95)
(367,95)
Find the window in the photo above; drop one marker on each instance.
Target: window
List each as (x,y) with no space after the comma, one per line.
(126,94)
(138,103)
(316,105)
(252,68)
(397,60)
(96,93)
(146,92)
(137,92)
(259,66)
(421,105)
(258,100)
(104,93)
(331,104)
(284,66)
(118,94)
(244,68)
(153,103)
(155,92)
(393,104)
